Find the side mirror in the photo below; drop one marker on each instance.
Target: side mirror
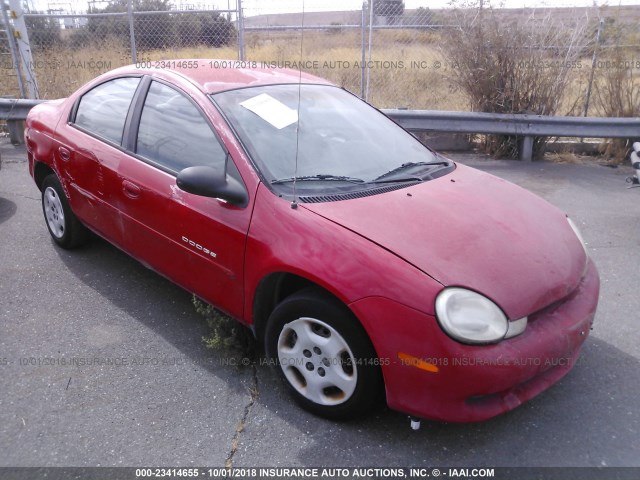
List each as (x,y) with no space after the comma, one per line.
(214,183)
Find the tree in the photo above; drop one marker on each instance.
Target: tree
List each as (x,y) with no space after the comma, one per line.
(99,28)
(159,31)
(151,31)
(44,32)
(216,30)
(210,29)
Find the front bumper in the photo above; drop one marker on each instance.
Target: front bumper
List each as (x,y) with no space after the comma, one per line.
(473,383)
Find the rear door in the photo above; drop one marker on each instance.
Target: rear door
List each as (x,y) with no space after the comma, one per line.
(196,241)
(89,151)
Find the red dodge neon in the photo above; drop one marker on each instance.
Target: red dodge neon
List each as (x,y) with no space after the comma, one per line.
(370,266)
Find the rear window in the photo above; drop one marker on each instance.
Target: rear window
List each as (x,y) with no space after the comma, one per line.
(103,110)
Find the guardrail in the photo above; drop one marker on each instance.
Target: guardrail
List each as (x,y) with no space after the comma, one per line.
(521,125)
(15,113)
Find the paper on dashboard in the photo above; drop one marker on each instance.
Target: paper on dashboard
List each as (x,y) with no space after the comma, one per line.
(271,110)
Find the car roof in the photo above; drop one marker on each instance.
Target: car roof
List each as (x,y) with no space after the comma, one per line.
(213,76)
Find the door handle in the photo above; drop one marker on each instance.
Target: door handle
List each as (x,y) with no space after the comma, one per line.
(65,154)
(131,190)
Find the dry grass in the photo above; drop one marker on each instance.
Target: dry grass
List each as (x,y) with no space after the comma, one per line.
(394,81)
(568,158)
(63,70)
(403,73)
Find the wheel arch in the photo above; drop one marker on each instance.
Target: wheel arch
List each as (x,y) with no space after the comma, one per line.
(273,289)
(41,171)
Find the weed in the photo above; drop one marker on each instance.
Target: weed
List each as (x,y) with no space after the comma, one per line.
(226,335)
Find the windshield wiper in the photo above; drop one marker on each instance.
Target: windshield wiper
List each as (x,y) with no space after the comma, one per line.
(320,177)
(405,166)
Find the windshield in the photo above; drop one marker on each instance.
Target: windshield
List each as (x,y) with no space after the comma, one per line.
(342,142)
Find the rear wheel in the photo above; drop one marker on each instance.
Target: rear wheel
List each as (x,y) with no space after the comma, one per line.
(65,229)
(324,355)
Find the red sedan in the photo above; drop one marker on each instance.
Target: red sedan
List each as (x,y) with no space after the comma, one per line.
(370,266)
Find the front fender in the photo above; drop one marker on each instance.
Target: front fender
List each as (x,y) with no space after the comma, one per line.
(351,267)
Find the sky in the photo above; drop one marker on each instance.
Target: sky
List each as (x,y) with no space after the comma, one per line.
(256,7)
(272,6)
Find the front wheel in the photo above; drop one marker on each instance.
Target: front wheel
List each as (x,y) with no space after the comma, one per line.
(65,229)
(324,355)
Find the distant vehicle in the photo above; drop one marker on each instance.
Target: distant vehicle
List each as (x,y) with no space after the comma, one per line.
(370,266)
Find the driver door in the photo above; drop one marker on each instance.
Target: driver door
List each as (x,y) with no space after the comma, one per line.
(198,242)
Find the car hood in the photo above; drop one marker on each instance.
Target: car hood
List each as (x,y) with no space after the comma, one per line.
(473,230)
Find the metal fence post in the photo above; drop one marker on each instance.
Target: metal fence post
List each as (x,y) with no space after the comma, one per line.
(526,149)
(593,66)
(13,49)
(240,31)
(132,34)
(24,47)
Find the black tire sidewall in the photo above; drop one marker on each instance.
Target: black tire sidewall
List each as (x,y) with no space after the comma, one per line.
(74,232)
(316,304)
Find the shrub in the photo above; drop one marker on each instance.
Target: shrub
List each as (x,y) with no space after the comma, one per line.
(421,16)
(511,66)
(616,87)
(337,30)
(156,31)
(617,93)
(44,32)
(215,30)
(188,29)
(153,31)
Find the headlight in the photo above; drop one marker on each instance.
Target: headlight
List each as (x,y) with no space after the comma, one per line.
(578,234)
(470,317)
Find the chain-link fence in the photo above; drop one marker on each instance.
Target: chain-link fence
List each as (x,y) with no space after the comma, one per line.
(390,54)
(556,61)
(8,56)
(360,48)
(353,47)
(70,49)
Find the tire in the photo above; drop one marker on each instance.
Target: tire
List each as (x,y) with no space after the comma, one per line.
(64,227)
(324,355)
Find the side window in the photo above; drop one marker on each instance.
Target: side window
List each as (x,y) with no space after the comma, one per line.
(103,110)
(174,134)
